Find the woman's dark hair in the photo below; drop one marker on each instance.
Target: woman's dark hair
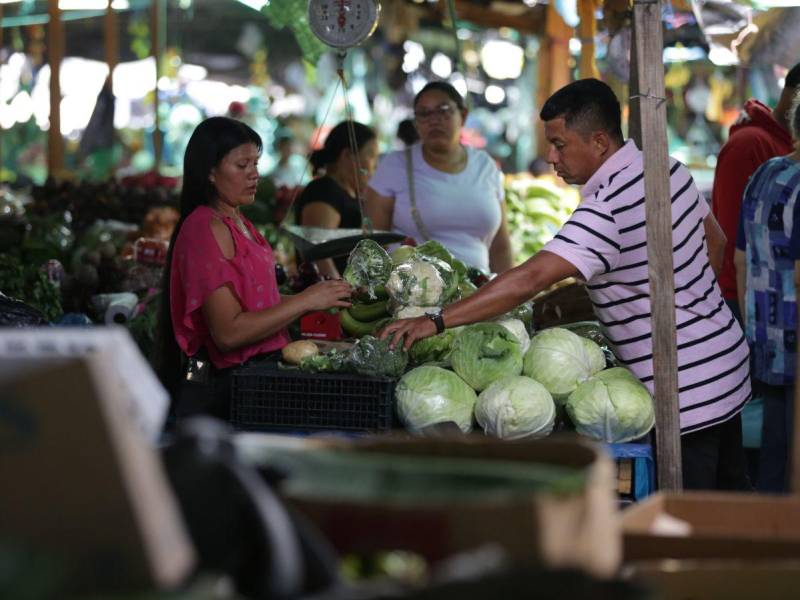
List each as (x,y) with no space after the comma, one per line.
(338,141)
(586,105)
(407,132)
(210,142)
(445,88)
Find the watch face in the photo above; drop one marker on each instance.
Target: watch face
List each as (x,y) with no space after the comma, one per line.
(343,23)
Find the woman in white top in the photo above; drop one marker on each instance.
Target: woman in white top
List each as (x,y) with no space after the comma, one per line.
(457,190)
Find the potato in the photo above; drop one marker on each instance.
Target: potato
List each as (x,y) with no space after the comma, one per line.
(296,351)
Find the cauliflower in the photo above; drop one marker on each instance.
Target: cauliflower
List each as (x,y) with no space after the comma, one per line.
(409,312)
(416,283)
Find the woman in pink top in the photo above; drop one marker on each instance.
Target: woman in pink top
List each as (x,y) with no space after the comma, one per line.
(220,296)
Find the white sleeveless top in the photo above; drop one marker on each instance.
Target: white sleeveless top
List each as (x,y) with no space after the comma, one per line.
(461,210)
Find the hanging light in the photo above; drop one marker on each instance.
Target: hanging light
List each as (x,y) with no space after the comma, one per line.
(502,59)
(494,94)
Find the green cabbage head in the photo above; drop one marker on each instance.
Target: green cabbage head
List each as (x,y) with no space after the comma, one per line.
(560,360)
(485,352)
(613,406)
(429,395)
(516,407)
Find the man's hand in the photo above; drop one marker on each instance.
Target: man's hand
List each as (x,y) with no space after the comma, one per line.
(409,330)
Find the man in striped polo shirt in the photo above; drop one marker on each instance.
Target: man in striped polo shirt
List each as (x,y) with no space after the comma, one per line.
(604,244)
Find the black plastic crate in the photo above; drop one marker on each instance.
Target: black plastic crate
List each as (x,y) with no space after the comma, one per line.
(266,397)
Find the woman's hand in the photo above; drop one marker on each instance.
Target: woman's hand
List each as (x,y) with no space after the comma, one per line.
(327,294)
(408,331)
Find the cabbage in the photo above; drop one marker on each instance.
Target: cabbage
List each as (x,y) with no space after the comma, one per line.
(435,348)
(422,281)
(485,352)
(517,327)
(466,288)
(368,266)
(613,406)
(429,395)
(434,249)
(402,254)
(560,360)
(516,407)
(597,358)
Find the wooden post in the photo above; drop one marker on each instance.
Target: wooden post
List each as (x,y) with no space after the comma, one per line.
(587,29)
(634,108)
(650,97)
(554,65)
(156,50)
(55,52)
(111,39)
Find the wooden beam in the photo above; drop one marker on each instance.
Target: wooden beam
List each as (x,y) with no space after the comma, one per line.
(530,20)
(55,52)
(658,210)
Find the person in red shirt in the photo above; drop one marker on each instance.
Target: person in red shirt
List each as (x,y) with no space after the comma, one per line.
(760,135)
(220,299)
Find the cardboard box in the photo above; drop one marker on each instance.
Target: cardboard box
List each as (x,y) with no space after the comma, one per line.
(715,525)
(718,580)
(560,530)
(82,485)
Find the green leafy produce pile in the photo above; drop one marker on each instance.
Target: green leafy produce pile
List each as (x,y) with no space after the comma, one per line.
(537,209)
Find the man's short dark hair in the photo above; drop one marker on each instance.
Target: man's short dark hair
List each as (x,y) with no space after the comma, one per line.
(586,105)
(792,77)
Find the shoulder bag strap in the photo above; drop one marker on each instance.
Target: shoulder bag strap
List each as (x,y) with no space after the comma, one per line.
(423,231)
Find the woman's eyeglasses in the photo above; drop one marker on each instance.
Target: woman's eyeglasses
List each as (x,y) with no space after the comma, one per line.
(441,113)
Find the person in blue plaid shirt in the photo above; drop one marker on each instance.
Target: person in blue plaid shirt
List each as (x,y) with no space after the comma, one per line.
(767,246)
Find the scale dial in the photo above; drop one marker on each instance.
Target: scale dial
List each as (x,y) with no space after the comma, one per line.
(343,23)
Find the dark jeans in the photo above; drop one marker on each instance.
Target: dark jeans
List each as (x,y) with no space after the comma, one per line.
(776,436)
(713,458)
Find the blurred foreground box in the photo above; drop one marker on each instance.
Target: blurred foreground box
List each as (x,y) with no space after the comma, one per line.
(82,485)
(718,580)
(707,525)
(572,526)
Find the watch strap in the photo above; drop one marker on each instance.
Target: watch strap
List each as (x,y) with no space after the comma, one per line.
(438,320)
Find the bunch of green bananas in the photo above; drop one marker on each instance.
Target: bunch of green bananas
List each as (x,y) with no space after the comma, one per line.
(366,316)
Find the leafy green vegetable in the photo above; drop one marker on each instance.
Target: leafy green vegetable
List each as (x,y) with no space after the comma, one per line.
(520,332)
(434,249)
(29,283)
(612,406)
(368,266)
(559,360)
(429,395)
(402,254)
(485,352)
(516,407)
(436,348)
(332,361)
(373,356)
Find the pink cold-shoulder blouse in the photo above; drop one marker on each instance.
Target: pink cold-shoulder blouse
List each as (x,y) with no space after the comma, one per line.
(199,268)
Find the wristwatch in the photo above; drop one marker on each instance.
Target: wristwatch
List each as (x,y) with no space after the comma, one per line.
(437,319)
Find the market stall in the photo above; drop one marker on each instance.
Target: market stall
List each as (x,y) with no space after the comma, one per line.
(372,446)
